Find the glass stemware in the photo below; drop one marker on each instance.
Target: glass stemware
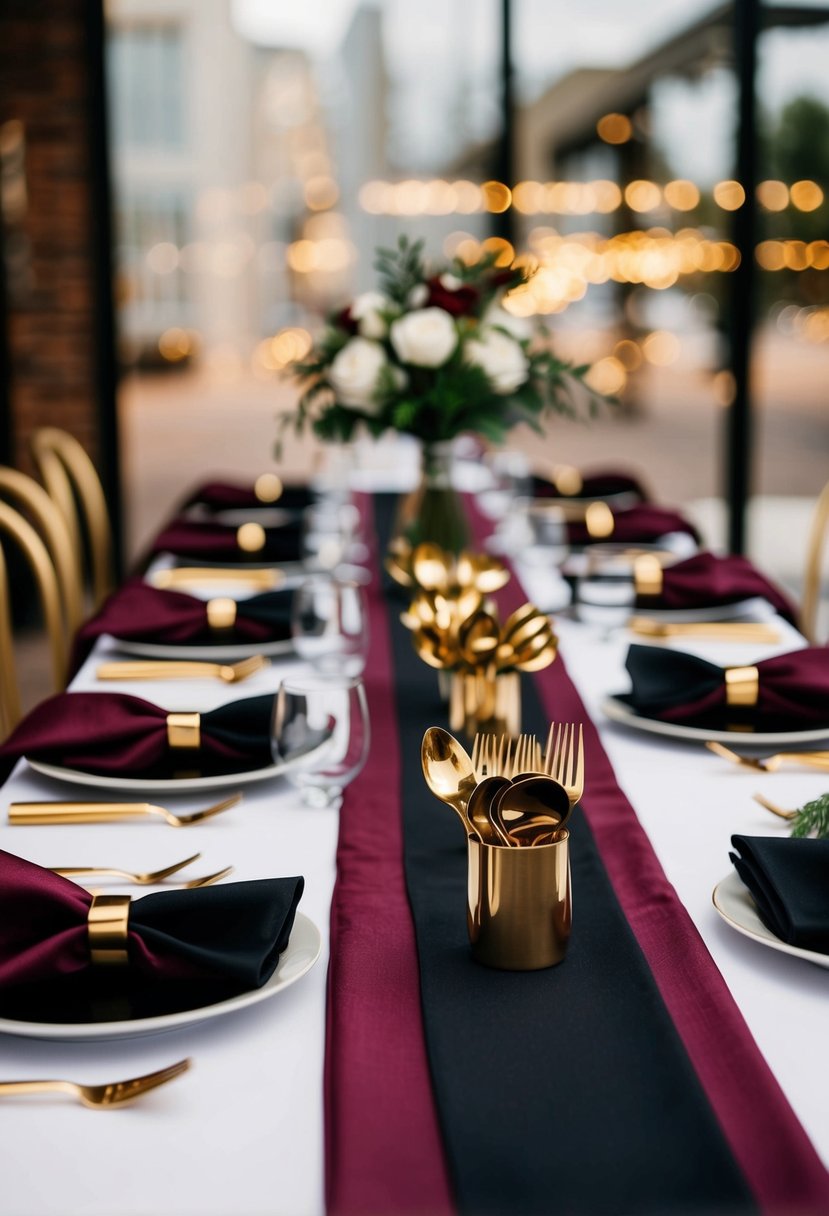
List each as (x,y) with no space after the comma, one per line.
(321,729)
(329,625)
(330,535)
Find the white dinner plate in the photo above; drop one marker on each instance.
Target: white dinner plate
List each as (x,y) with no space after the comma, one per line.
(302,952)
(162,785)
(619,712)
(737,908)
(208,654)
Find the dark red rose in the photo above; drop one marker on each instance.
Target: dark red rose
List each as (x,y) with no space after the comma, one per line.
(459,301)
(344,320)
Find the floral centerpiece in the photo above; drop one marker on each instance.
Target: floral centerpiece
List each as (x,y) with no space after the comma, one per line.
(433,353)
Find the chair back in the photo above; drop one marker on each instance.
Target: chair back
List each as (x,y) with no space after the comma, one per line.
(70,477)
(19,530)
(51,526)
(814,560)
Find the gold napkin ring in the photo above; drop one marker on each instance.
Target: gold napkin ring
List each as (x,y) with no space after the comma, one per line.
(184,730)
(647,575)
(108,926)
(742,685)
(221,613)
(599,521)
(268,487)
(251,538)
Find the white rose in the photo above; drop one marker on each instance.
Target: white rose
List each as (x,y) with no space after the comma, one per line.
(366,310)
(353,373)
(425,338)
(501,358)
(519,328)
(418,296)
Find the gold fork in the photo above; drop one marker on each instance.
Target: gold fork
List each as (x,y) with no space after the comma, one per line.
(526,756)
(775,810)
(99,1097)
(563,762)
(140,669)
(150,877)
(32,813)
(769,764)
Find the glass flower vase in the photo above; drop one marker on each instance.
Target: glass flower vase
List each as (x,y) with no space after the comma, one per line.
(434,511)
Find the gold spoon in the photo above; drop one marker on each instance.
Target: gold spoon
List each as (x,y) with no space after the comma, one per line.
(481,810)
(429,567)
(449,772)
(479,571)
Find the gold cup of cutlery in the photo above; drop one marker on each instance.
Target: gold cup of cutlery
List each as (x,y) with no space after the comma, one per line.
(485,701)
(519,903)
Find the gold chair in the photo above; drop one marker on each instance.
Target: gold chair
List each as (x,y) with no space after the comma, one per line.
(70,478)
(814,555)
(24,535)
(48,522)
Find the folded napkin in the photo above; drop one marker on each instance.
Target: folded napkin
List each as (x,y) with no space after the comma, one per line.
(229,496)
(124,736)
(707,581)
(139,612)
(234,932)
(603,484)
(793,689)
(640,524)
(789,882)
(219,542)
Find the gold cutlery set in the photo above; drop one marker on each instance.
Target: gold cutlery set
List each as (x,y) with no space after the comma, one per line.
(513,800)
(507,793)
(455,628)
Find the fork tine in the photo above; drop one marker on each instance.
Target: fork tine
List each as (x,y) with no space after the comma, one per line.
(578,779)
(570,769)
(142,1085)
(548,755)
(208,879)
(207,813)
(476,754)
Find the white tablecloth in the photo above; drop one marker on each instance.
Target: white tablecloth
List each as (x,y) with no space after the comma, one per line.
(242,1132)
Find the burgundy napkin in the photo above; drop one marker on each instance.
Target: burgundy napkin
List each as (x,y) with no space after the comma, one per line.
(229,496)
(707,581)
(218,542)
(120,735)
(602,484)
(641,524)
(678,687)
(234,932)
(139,612)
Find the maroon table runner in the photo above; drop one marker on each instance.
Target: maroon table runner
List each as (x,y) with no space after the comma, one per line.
(383,1149)
(382,1144)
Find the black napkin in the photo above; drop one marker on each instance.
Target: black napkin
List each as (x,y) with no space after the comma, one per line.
(789,882)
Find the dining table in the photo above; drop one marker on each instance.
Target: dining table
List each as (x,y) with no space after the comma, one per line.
(337,1092)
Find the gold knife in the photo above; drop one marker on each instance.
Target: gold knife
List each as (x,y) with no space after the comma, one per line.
(163,669)
(204,576)
(734,631)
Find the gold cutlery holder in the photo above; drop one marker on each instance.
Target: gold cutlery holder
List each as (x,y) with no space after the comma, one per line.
(519,904)
(487,703)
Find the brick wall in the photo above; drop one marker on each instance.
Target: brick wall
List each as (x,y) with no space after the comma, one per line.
(51,323)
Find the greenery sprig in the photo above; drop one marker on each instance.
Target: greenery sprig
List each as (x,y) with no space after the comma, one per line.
(812,819)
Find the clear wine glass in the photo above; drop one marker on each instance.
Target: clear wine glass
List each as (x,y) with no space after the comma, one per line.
(320,728)
(329,625)
(330,535)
